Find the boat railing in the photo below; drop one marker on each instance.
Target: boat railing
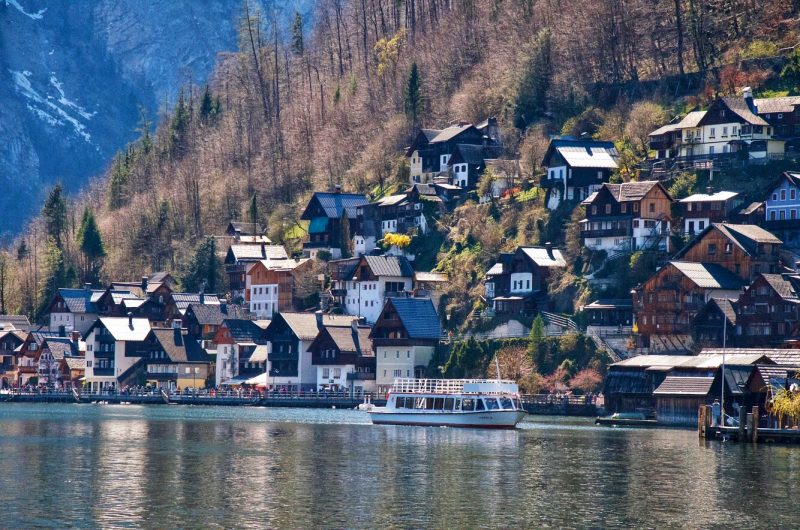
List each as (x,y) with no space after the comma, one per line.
(452,386)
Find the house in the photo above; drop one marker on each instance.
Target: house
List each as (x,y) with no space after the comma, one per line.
(782,208)
(270,285)
(74,309)
(241,257)
(246,232)
(61,361)
(178,303)
(731,127)
(517,283)
(627,217)
(609,312)
(175,359)
(25,369)
(360,285)
(752,214)
(203,321)
(701,209)
(462,147)
(241,351)
(289,336)
(11,340)
(707,325)
(325,213)
(669,300)
(430,285)
(157,285)
(576,168)
(343,358)
(404,339)
(399,214)
(745,250)
(19,322)
(768,311)
(115,352)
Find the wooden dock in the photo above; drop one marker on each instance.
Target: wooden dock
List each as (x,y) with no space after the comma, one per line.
(747,430)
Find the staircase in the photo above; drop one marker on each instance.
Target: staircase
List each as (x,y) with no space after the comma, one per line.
(563,324)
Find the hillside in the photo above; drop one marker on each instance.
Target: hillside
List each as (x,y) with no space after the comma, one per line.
(301,109)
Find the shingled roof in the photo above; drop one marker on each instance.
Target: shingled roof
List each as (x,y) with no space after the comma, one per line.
(61,347)
(181,347)
(18,321)
(215,315)
(782,286)
(350,340)
(334,203)
(746,237)
(80,300)
(708,275)
(418,316)
(304,325)
(631,191)
(739,107)
(684,386)
(389,266)
(244,331)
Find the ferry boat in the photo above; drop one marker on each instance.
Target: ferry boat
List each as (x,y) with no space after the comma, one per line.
(482,403)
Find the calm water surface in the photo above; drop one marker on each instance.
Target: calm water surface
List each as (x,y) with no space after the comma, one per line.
(196,467)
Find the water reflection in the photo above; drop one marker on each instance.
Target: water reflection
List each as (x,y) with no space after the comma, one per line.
(160,467)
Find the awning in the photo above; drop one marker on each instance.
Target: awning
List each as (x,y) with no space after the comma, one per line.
(318,225)
(259,380)
(236,381)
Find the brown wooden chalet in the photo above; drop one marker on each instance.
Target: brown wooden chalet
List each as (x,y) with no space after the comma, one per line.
(669,300)
(744,250)
(242,256)
(204,320)
(707,325)
(349,349)
(576,168)
(612,312)
(627,217)
(517,283)
(768,311)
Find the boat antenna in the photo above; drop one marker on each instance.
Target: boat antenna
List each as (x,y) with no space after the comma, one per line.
(497,366)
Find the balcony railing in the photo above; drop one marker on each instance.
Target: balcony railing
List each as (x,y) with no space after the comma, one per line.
(607,232)
(104,371)
(316,244)
(360,376)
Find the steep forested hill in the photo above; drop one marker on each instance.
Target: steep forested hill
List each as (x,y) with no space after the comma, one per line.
(302,108)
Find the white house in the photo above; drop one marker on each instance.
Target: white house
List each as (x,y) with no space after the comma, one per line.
(114,346)
(362,284)
(74,309)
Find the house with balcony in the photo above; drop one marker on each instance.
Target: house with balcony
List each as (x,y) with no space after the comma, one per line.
(744,250)
(343,358)
(361,285)
(517,283)
(731,127)
(240,258)
(270,285)
(11,340)
(289,336)
(461,147)
(404,339)
(115,352)
(241,351)
(60,361)
(666,303)
(782,208)
(325,214)
(176,360)
(575,169)
(714,326)
(627,217)
(74,309)
(203,321)
(698,211)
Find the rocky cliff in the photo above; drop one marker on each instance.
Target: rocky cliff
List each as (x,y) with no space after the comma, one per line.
(74,76)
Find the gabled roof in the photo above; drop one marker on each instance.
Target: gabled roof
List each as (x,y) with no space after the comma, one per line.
(215,315)
(544,257)
(75,363)
(782,286)
(349,340)
(17,321)
(727,307)
(746,237)
(445,135)
(709,275)
(79,300)
(334,203)
(705,197)
(250,252)
(583,153)
(418,317)
(684,386)
(751,208)
(180,346)
(61,347)
(389,266)
(472,154)
(627,191)
(784,104)
(392,200)
(244,331)
(739,107)
(304,325)
(125,329)
(792,178)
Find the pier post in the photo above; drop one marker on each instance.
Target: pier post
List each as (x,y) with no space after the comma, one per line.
(701,421)
(742,423)
(754,425)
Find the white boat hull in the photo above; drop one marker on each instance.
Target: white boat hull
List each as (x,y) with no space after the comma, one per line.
(496,419)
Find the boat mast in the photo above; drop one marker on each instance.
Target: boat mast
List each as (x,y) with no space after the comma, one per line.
(497,367)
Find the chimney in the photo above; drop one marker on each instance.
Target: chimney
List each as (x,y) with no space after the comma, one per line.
(176,334)
(318,314)
(710,190)
(76,336)
(87,286)
(337,188)
(145,281)
(549,247)
(747,93)
(130,320)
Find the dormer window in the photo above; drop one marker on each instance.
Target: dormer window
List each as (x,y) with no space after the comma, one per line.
(722,114)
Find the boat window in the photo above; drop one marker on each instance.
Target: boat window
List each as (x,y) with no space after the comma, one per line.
(468,404)
(458,404)
(429,403)
(479,404)
(506,403)
(438,403)
(491,404)
(399,402)
(420,403)
(448,403)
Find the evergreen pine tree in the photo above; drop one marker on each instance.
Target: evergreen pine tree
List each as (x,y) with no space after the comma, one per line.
(208,106)
(252,211)
(55,275)
(117,195)
(55,214)
(412,96)
(204,270)
(534,81)
(179,125)
(344,234)
(297,34)
(91,245)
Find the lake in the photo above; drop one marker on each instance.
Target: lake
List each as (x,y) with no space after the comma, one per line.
(217,467)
